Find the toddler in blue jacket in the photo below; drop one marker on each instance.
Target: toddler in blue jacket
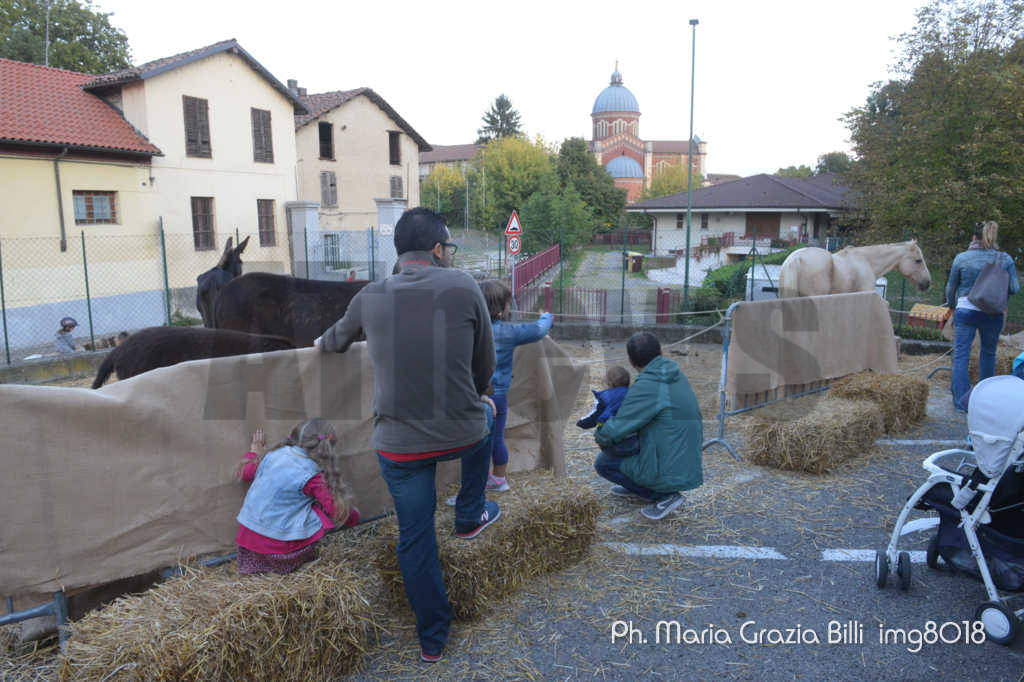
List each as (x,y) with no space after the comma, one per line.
(606,406)
(608,401)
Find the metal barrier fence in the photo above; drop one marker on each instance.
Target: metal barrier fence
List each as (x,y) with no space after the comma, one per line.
(729,406)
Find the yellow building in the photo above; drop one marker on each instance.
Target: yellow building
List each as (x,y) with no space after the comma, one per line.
(353,149)
(201,143)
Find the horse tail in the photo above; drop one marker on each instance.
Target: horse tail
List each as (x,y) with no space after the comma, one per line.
(106,368)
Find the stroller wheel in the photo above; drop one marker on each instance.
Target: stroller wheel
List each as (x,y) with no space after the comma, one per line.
(903,570)
(881,569)
(932,556)
(1000,622)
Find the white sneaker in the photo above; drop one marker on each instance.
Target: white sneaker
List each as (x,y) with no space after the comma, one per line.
(451,501)
(662,507)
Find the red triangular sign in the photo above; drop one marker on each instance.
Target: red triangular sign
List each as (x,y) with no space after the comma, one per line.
(513,226)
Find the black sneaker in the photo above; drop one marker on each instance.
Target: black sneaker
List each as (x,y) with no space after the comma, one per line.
(490,515)
(662,507)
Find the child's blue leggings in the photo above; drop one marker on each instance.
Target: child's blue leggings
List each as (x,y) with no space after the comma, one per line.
(499,452)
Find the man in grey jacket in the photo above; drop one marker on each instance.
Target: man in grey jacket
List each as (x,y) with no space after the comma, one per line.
(429,338)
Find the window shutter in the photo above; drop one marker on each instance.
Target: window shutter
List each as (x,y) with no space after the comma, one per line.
(203,117)
(396,186)
(325,190)
(334,189)
(191,141)
(262,142)
(197,126)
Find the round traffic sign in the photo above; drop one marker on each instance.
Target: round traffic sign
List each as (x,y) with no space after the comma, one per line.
(514,245)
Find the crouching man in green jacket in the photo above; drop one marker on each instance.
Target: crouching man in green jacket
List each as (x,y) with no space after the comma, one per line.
(662,410)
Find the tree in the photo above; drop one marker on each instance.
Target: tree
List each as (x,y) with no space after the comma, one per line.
(670,180)
(833,162)
(81,39)
(794,172)
(500,121)
(554,212)
(444,190)
(514,168)
(577,168)
(941,146)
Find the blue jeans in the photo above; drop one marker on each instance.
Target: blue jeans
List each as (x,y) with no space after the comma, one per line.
(609,467)
(966,323)
(499,451)
(412,487)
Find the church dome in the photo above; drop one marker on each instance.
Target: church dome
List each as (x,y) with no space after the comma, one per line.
(616,97)
(624,167)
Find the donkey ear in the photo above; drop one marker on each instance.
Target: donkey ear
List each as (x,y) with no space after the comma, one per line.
(223,262)
(242,245)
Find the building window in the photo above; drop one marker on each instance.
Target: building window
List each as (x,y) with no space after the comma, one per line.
(328,189)
(396,187)
(262,141)
(197,127)
(703,221)
(633,128)
(394,148)
(265,216)
(602,128)
(680,221)
(92,208)
(202,223)
(326,141)
(332,252)
(619,127)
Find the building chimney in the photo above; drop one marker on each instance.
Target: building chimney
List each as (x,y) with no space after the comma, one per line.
(302,92)
(293,85)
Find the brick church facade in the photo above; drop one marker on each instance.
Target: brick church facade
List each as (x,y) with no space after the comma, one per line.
(618,147)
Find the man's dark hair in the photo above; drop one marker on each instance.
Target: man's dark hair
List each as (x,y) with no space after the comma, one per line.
(642,347)
(419,229)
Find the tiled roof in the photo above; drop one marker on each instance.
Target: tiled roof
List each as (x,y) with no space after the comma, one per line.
(759,192)
(319,104)
(42,105)
(675,146)
(449,153)
(158,66)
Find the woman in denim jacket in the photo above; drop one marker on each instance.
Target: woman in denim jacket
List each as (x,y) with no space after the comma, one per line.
(968,318)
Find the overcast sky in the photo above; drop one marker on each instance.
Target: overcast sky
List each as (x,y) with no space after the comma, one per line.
(772,78)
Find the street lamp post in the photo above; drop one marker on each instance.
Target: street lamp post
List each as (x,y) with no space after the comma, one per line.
(689,162)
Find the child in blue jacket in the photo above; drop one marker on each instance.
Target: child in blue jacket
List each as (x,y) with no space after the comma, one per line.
(506,337)
(608,401)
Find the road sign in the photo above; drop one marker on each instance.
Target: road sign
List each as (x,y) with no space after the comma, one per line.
(514,245)
(513,226)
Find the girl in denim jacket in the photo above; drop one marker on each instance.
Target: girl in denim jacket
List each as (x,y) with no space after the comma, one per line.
(967,318)
(296,496)
(506,337)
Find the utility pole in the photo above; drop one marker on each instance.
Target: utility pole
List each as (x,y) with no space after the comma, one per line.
(689,175)
(47,32)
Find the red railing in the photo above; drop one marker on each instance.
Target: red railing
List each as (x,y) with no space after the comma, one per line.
(533,267)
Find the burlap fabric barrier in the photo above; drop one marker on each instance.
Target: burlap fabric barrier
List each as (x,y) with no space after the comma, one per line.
(105,484)
(799,341)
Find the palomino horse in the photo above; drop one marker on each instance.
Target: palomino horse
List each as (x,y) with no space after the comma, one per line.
(813,272)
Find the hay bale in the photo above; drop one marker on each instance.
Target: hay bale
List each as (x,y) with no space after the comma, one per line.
(818,438)
(215,624)
(1005,354)
(546,524)
(902,398)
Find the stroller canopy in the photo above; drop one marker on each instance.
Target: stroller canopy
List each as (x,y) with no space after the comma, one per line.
(995,419)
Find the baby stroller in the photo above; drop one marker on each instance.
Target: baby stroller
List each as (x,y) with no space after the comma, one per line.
(980,502)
